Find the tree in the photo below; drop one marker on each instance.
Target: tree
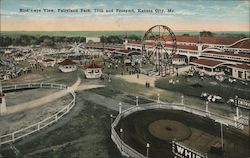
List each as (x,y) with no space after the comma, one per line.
(134,37)
(5,41)
(206,33)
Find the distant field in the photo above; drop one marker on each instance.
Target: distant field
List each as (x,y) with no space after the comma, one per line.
(105,33)
(72,33)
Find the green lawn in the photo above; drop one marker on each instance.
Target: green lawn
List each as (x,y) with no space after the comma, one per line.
(86,134)
(193,86)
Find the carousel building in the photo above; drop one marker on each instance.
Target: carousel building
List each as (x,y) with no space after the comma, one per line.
(67,65)
(19,57)
(92,70)
(48,63)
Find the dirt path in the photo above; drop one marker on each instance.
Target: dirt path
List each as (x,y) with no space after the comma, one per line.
(141,80)
(49,98)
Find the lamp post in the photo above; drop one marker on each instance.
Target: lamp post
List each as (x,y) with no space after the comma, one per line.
(158,98)
(182,99)
(206,106)
(147,156)
(121,131)
(237,107)
(137,100)
(221,134)
(120,107)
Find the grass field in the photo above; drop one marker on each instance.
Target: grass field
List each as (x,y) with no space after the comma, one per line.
(194,86)
(85,134)
(166,95)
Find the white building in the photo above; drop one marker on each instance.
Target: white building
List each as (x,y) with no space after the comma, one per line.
(209,67)
(92,70)
(179,60)
(240,71)
(93,39)
(67,66)
(215,54)
(19,57)
(48,63)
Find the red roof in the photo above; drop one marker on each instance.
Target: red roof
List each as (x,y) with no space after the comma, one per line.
(48,60)
(229,54)
(178,56)
(208,40)
(203,39)
(19,55)
(183,47)
(242,66)
(123,50)
(92,65)
(111,49)
(207,62)
(187,47)
(245,44)
(67,62)
(168,45)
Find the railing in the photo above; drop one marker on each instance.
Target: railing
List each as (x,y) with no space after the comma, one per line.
(17,135)
(33,85)
(128,151)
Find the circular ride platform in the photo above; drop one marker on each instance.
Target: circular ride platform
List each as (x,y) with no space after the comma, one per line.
(159,127)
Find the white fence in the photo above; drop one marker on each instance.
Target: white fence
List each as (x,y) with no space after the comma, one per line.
(17,135)
(127,151)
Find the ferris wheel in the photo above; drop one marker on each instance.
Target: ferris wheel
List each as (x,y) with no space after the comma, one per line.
(158,47)
(77,48)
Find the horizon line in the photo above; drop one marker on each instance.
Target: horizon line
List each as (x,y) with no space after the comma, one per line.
(111,30)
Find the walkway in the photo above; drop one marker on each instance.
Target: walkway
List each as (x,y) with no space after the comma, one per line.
(49,98)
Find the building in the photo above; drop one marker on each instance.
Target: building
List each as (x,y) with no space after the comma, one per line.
(67,65)
(19,57)
(93,39)
(215,54)
(92,70)
(48,62)
(179,60)
(240,71)
(209,67)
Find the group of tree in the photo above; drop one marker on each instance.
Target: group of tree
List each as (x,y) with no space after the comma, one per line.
(111,39)
(25,40)
(206,33)
(118,38)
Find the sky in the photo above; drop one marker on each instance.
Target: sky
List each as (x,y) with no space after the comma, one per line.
(181,15)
